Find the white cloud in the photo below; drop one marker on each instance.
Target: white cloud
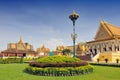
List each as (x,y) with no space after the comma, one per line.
(53,43)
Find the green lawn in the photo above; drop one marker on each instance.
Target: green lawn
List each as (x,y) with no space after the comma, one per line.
(15,72)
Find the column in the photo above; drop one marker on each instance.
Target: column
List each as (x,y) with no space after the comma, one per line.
(113,47)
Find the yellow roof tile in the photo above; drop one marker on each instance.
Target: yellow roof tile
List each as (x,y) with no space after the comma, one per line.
(114,30)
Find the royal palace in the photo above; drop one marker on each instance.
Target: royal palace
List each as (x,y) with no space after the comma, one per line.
(106,44)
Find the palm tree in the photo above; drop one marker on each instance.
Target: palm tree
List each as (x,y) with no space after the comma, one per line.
(66,52)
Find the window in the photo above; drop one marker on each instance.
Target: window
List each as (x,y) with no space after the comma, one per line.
(104,49)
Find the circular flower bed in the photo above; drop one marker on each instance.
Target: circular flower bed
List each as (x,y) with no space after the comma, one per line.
(58,66)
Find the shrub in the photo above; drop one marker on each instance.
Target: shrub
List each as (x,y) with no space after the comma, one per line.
(21,60)
(15,60)
(66,52)
(66,71)
(98,60)
(117,60)
(25,59)
(58,59)
(70,64)
(104,64)
(58,66)
(106,60)
(10,60)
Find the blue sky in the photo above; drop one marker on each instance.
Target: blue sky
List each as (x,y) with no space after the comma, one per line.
(46,21)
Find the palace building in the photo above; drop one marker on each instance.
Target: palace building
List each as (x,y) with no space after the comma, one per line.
(106,44)
(19,49)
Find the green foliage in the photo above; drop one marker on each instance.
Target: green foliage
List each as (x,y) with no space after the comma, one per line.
(21,60)
(66,71)
(10,60)
(15,60)
(106,60)
(51,66)
(71,64)
(106,64)
(29,59)
(117,60)
(66,52)
(98,60)
(57,59)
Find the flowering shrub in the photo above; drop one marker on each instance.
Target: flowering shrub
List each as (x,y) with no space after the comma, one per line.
(70,64)
(58,59)
(55,71)
(59,66)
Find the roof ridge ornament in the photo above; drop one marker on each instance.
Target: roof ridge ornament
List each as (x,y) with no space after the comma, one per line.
(21,41)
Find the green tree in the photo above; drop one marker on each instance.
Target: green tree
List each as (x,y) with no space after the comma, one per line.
(66,52)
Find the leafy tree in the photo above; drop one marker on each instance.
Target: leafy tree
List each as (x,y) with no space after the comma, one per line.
(66,52)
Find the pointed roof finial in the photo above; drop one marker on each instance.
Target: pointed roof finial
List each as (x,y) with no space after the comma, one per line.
(102,20)
(73,11)
(20,40)
(43,46)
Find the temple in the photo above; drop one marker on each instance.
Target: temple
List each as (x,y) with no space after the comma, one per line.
(106,44)
(19,49)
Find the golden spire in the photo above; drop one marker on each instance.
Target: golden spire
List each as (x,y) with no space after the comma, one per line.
(20,40)
(43,46)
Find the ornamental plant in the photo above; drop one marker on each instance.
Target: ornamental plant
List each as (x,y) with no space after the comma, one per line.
(106,60)
(58,59)
(63,71)
(117,60)
(70,64)
(58,66)
(98,60)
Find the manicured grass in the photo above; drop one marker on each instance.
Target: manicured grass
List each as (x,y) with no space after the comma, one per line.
(15,72)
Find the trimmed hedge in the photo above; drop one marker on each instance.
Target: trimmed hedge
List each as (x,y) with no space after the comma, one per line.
(58,59)
(58,66)
(55,71)
(70,64)
(106,64)
(15,60)
(11,60)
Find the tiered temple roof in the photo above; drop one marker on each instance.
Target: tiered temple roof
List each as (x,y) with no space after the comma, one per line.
(106,31)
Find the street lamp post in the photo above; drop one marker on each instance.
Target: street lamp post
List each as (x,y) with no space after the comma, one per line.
(74,16)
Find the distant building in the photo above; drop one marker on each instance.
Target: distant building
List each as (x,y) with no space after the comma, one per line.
(43,51)
(19,49)
(79,50)
(59,50)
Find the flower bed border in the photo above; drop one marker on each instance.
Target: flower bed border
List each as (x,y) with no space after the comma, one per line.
(106,64)
(55,71)
(69,64)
